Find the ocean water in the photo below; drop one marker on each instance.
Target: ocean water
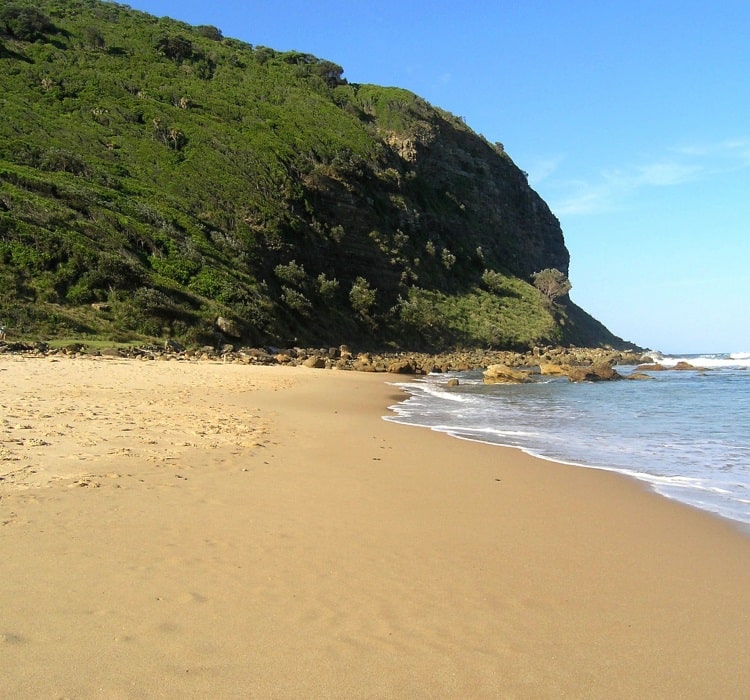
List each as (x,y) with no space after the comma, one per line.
(684,432)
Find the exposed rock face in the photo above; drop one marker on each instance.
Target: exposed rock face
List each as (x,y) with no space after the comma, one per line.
(444,191)
(508,219)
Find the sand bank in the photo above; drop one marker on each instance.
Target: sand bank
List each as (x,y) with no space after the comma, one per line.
(175,530)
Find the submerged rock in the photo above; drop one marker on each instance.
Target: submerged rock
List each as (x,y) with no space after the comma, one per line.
(639,376)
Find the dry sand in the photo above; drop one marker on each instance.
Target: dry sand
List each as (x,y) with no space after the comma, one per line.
(198,530)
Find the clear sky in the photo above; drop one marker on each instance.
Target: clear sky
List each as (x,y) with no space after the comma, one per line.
(631,118)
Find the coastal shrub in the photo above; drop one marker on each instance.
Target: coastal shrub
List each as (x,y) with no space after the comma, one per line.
(552,283)
(494,281)
(362,296)
(295,300)
(447,258)
(327,288)
(179,269)
(92,36)
(291,273)
(149,299)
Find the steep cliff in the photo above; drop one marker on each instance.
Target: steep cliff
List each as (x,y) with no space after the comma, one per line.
(156,176)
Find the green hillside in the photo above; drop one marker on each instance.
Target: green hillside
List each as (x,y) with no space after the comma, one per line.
(155,176)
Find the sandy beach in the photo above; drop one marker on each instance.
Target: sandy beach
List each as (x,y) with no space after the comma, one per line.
(207,530)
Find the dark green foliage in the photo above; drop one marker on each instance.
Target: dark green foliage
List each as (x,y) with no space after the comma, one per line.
(93,37)
(552,283)
(178,48)
(209,31)
(362,297)
(179,175)
(24,23)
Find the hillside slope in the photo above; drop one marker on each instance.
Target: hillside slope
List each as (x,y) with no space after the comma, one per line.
(156,176)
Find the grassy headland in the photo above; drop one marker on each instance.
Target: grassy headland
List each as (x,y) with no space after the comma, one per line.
(156,177)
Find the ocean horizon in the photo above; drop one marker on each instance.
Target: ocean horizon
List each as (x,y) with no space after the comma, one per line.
(686,433)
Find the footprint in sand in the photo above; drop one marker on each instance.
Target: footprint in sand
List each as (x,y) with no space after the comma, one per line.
(192,597)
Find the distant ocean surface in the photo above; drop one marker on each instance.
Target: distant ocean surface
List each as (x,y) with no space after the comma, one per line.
(685,432)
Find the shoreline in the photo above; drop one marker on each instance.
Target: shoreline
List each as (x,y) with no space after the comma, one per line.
(643,482)
(239,531)
(742,526)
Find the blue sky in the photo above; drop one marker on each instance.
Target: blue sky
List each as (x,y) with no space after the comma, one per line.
(631,118)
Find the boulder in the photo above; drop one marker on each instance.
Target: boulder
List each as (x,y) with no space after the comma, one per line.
(316,362)
(171,345)
(402,366)
(363,366)
(502,374)
(682,365)
(228,327)
(598,372)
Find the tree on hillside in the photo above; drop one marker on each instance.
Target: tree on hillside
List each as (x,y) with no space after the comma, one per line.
(552,283)
(210,32)
(178,48)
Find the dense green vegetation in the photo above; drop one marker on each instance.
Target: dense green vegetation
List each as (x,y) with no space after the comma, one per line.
(155,176)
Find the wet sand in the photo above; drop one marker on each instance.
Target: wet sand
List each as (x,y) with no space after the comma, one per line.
(176,529)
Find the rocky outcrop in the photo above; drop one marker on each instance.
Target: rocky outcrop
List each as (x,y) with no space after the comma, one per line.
(597,372)
(680,366)
(550,369)
(579,364)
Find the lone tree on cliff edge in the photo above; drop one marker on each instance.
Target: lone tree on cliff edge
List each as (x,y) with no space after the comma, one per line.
(552,283)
